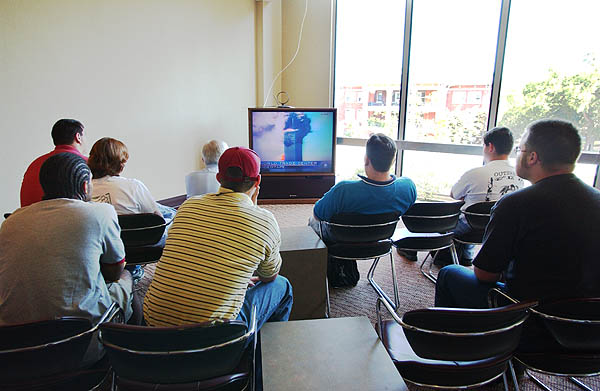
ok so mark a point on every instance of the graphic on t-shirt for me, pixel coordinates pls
(489, 189)
(105, 198)
(508, 189)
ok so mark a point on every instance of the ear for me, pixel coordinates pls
(367, 161)
(491, 148)
(258, 180)
(533, 158)
(79, 138)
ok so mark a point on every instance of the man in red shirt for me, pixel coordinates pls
(67, 135)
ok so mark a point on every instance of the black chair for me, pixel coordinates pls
(353, 236)
(53, 354)
(201, 356)
(566, 338)
(478, 216)
(429, 227)
(453, 348)
(142, 235)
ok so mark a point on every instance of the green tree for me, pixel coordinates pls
(574, 98)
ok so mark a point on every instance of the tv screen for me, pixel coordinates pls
(293, 140)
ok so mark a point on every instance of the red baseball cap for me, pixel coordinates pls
(246, 159)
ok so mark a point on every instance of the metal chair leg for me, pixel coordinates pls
(395, 282)
(454, 255)
(513, 375)
(327, 304)
(429, 274)
(538, 381)
(580, 384)
(376, 286)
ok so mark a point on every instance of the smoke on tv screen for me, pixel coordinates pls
(293, 142)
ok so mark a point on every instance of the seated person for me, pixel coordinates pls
(62, 256)
(540, 239)
(216, 244)
(376, 193)
(487, 183)
(67, 135)
(205, 180)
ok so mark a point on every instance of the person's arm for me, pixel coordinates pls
(327, 206)
(461, 188)
(112, 271)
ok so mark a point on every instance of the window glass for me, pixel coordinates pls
(350, 161)
(368, 58)
(558, 76)
(451, 70)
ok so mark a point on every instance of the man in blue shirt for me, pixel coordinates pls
(376, 193)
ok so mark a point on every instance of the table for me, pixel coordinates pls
(304, 263)
(326, 354)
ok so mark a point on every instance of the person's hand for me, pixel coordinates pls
(253, 281)
(255, 195)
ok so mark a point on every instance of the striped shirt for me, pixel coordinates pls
(215, 244)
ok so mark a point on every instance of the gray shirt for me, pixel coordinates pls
(50, 255)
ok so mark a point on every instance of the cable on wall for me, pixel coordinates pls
(293, 57)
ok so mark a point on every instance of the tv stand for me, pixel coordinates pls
(294, 189)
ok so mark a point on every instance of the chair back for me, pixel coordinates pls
(141, 229)
(574, 323)
(424, 217)
(181, 354)
(456, 334)
(361, 228)
(478, 214)
(43, 348)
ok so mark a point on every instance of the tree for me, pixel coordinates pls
(574, 98)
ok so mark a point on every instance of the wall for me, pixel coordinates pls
(162, 76)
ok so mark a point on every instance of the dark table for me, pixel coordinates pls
(326, 354)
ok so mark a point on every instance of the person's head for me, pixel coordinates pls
(65, 175)
(239, 169)
(498, 143)
(381, 152)
(107, 157)
(212, 151)
(548, 147)
(68, 132)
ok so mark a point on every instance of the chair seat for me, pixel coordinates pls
(233, 381)
(575, 364)
(406, 240)
(359, 250)
(474, 237)
(436, 372)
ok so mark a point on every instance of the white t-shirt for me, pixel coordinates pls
(487, 183)
(203, 181)
(128, 196)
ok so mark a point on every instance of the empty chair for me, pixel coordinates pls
(142, 235)
(351, 237)
(574, 326)
(453, 348)
(429, 227)
(57, 354)
(201, 356)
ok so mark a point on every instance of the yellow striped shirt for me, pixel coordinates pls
(215, 244)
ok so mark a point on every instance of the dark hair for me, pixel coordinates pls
(64, 131)
(501, 138)
(556, 142)
(381, 151)
(107, 157)
(242, 186)
(63, 175)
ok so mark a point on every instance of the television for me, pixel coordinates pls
(296, 147)
(294, 141)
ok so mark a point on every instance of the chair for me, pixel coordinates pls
(568, 342)
(142, 235)
(352, 236)
(429, 227)
(201, 356)
(478, 216)
(51, 354)
(453, 348)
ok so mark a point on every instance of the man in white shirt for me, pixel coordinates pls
(488, 183)
(205, 181)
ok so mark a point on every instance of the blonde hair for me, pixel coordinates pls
(212, 151)
(107, 157)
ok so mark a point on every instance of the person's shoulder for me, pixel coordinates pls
(404, 181)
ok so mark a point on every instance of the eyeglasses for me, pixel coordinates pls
(519, 149)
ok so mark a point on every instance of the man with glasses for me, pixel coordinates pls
(540, 239)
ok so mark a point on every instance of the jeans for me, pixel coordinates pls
(273, 301)
(457, 287)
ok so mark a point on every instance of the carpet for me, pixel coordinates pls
(415, 292)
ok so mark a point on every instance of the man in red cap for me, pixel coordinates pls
(222, 255)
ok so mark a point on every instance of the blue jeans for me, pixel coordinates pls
(273, 301)
(466, 251)
(457, 287)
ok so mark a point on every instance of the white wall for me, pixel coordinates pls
(162, 76)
